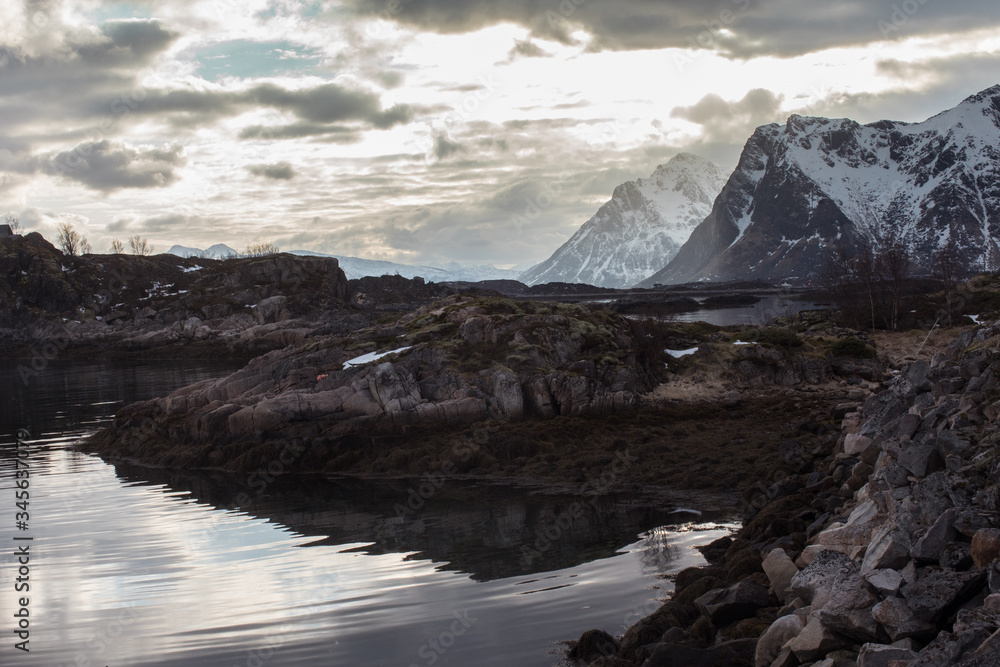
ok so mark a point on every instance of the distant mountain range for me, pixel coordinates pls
(355, 267)
(639, 230)
(813, 183)
(218, 251)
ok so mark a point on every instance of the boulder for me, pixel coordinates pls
(727, 605)
(936, 593)
(898, 621)
(594, 644)
(887, 582)
(889, 548)
(985, 546)
(855, 443)
(880, 655)
(779, 569)
(931, 544)
(921, 460)
(775, 637)
(814, 642)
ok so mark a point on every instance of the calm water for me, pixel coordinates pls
(132, 566)
(767, 308)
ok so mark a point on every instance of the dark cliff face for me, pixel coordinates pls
(816, 183)
(40, 285)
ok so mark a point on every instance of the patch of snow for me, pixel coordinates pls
(740, 342)
(193, 268)
(372, 356)
(677, 354)
(974, 318)
(684, 510)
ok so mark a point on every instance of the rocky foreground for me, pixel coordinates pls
(882, 552)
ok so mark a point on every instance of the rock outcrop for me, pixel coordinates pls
(123, 303)
(459, 361)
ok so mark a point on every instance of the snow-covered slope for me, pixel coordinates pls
(815, 182)
(218, 251)
(639, 230)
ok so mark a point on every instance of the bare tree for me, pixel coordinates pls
(15, 224)
(85, 248)
(69, 239)
(117, 247)
(866, 281)
(139, 246)
(896, 263)
(950, 268)
(260, 250)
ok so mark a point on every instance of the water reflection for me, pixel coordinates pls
(150, 567)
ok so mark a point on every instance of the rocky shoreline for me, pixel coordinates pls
(881, 551)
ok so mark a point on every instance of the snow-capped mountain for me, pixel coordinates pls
(218, 251)
(639, 230)
(801, 188)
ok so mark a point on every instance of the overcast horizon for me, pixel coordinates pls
(429, 131)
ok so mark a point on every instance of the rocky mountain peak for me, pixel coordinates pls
(813, 183)
(646, 221)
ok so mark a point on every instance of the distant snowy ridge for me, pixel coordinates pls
(356, 267)
(218, 251)
(814, 183)
(639, 230)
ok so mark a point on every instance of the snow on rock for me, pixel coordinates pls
(372, 356)
(639, 230)
(813, 183)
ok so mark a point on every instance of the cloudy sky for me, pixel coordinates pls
(428, 131)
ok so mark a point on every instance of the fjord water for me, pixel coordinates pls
(138, 566)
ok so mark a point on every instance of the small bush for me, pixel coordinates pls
(772, 336)
(852, 347)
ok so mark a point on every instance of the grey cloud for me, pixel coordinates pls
(526, 49)
(732, 122)
(736, 28)
(108, 166)
(279, 171)
(443, 147)
(332, 133)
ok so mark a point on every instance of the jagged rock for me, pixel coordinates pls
(814, 582)
(887, 582)
(779, 569)
(937, 592)
(947, 648)
(775, 637)
(921, 459)
(985, 546)
(855, 443)
(880, 655)
(727, 605)
(594, 644)
(899, 621)
(814, 642)
(889, 548)
(931, 544)
(956, 556)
